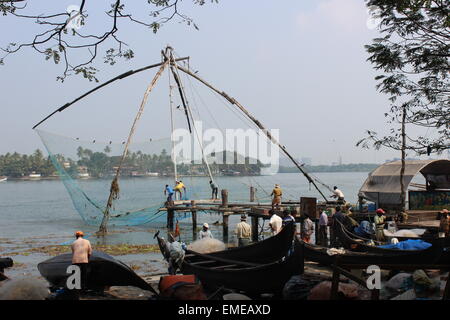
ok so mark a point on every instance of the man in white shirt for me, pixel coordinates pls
(323, 225)
(338, 194)
(205, 233)
(81, 251)
(243, 232)
(275, 222)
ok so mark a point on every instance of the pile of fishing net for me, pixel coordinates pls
(207, 245)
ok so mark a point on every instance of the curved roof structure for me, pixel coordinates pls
(383, 184)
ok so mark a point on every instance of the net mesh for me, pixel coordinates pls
(86, 170)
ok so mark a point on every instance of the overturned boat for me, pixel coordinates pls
(103, 271)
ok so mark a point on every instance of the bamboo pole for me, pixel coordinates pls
(114, 184)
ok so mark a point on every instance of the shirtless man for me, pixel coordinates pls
(81, 251)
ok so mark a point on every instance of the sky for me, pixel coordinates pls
(299, 67)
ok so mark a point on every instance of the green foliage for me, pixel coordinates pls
(413, 56)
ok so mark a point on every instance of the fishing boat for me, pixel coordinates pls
(268, 250)
(253, 278)
(3, 178)
(104, 271)
(265, 263)
(433, 254)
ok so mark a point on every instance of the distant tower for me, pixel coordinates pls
(340, 160)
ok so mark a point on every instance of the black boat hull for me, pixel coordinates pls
(253, 279)
(104, 271)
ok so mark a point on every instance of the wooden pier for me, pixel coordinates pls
(253, 209)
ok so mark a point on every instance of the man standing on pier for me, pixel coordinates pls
(168, 191)
(243, 232)
(179, 186)
(81, 251)
(277, 194)
(339, 195)
(214, 190)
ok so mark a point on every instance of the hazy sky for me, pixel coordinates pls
(299, 66)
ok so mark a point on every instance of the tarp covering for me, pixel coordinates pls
(408, 245)
(383, 184)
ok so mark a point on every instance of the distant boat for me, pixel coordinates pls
(3, 178)
(34, 175)
(83, 175)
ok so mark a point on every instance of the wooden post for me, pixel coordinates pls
(225, 226)
(335, 280)
(224, 193)
(316, 232)
(252, 194)
(254, 228)
(194, 219)
(170, 215)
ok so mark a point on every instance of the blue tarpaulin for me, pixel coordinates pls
(408, 245)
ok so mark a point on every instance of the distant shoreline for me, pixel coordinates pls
(352, 167)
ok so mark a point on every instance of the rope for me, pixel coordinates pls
(114, 190)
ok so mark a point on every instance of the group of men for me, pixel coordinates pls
(177, 190)
(180, 188)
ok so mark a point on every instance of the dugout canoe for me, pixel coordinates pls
(253, 278)
(104, 271)
(430, 255)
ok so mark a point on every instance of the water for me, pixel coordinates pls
(41, 213)
(35, 209)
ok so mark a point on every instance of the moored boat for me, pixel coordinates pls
(103, 270)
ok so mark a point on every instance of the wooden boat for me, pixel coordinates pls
(262, 267)
(254, 278)
(104, 271)
(268, 250)
(354, 243)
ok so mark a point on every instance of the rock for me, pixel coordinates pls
(24, 289)
(322, 291)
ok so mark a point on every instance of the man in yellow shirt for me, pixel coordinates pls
(179, 185)
(276, 193)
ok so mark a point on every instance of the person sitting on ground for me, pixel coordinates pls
(205, 232)
(338, 194)
(243, 232)
(307, 229)
(81, 251)
(275, 222)
(214, 190)
(179, 186)
(380, 220)
(277, 193)
(168, 191)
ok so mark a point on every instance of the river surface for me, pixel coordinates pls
(41, 213)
